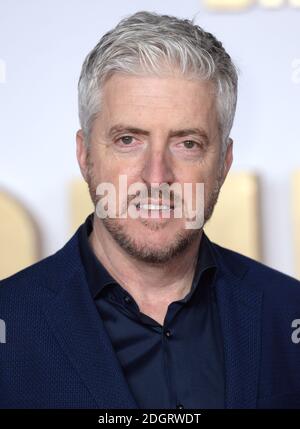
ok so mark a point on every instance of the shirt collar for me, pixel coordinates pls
(98, 277)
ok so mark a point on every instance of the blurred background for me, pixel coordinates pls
(42, 46)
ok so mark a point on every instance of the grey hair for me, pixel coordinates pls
(149, 43)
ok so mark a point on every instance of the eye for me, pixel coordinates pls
(126, 140)
(127, 143)
(190, 144)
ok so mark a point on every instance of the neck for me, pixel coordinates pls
(153, 286)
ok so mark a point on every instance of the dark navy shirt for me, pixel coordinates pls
(177, 365)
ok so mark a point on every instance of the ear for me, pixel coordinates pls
(228, 158)
(82, 153)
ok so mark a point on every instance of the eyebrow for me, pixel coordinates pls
(173, 133)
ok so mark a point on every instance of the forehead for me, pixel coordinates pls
(153, 98)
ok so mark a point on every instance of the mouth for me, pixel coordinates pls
(154, 206)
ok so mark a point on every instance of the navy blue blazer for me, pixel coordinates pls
(58, 355)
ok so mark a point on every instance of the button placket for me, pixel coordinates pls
(167, 333)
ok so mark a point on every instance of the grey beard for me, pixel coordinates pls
(142, 252)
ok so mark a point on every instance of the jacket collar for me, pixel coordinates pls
(239, 300)
(77, 326)
(80, 331)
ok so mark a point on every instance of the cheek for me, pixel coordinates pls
(206, 175)
(104, 169)
(112, 166)
(194, 175)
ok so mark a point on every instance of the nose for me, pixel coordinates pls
(157, 167)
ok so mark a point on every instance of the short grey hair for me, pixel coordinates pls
(149, 43)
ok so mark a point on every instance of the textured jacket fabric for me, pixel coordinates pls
(58, 354)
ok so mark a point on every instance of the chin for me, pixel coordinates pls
(159, 229)
(150, 243)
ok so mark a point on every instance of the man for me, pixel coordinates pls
(139, 309)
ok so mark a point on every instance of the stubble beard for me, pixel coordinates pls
(141, 250)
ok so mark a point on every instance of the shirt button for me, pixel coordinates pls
(168, 333)
(127, 299)
(180, 406)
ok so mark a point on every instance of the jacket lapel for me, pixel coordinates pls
(240, 304)
(75, 322)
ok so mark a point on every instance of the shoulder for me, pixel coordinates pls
(267, 279)
(44, 276)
